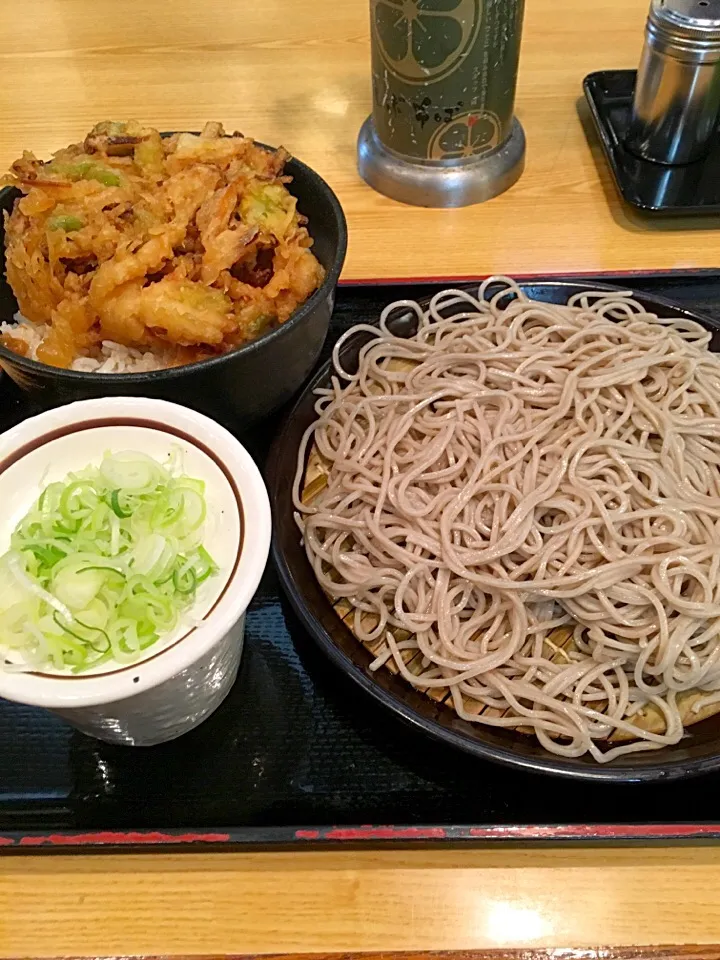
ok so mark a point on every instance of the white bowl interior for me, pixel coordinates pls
(23, 481)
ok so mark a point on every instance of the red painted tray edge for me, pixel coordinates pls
(272, 837)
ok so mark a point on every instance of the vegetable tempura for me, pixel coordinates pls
(185, 246)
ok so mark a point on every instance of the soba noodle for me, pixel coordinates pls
(515, 467)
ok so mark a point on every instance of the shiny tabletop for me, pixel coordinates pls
(297, 72)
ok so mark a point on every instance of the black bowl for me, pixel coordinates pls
(698, 753)
(236, 388)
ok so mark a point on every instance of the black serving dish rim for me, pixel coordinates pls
(293, 166)
(279, 472)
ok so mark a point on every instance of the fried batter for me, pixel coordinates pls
(190, 242)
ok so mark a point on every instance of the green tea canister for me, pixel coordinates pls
(442, 130)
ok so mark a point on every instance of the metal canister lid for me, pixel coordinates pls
(688, 24)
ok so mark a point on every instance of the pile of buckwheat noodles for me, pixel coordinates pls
(515, 467)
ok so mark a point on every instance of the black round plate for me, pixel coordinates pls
(699, 751)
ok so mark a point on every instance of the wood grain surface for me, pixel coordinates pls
(687, 952)
(326, 902)
(297, 72)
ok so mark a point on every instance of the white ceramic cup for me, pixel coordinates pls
(186, 675)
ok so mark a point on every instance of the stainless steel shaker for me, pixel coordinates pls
(677, 96)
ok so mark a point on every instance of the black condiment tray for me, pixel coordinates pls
(690, 189)
(297, 756)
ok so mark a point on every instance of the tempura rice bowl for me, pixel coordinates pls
(237, 388)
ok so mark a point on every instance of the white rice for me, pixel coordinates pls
(114, 357)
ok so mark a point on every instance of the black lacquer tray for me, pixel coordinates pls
(690, 189)
(297, 755)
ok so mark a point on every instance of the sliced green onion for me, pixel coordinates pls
(103, 565)
(115, 504)
(186, 583)
(47, 555)
(207, 566)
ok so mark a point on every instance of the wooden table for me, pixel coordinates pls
(296, 71)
